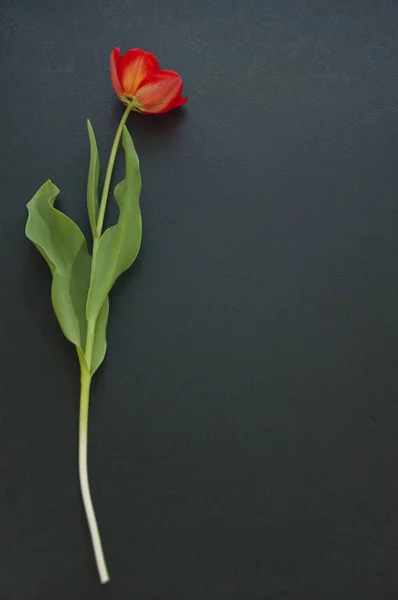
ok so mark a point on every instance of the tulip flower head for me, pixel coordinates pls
(139, 81)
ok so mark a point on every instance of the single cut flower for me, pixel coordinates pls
(139, 82)
(82, 282)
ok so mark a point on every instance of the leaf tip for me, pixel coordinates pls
(49, 183)
(127, 139)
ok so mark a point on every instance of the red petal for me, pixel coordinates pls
(174, 104)
(134, 66)
(160, 92)
(114, 71)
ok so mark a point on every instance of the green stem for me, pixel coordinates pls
(88, 354)
(85, 368)
(108, 174)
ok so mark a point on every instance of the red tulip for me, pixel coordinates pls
(138, 79)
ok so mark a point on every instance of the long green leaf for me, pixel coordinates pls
(120, 244)
(63, 245)
(92, 181)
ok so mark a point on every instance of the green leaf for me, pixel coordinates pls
(119, 245)
(63, 245)
(92, 182)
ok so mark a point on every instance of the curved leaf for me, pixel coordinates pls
(119, 245)
(92, 181)
(63, 245)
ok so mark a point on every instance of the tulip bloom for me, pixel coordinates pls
(139, 82)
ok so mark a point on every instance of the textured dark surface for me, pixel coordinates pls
(244, 427)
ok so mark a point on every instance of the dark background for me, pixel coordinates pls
(244, 427)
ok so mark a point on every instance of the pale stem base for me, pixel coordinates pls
(83, 475)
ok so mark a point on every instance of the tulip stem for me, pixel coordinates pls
(85, 368)
(108, 175)
(83, 474)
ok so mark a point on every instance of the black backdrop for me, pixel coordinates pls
(244, 427)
